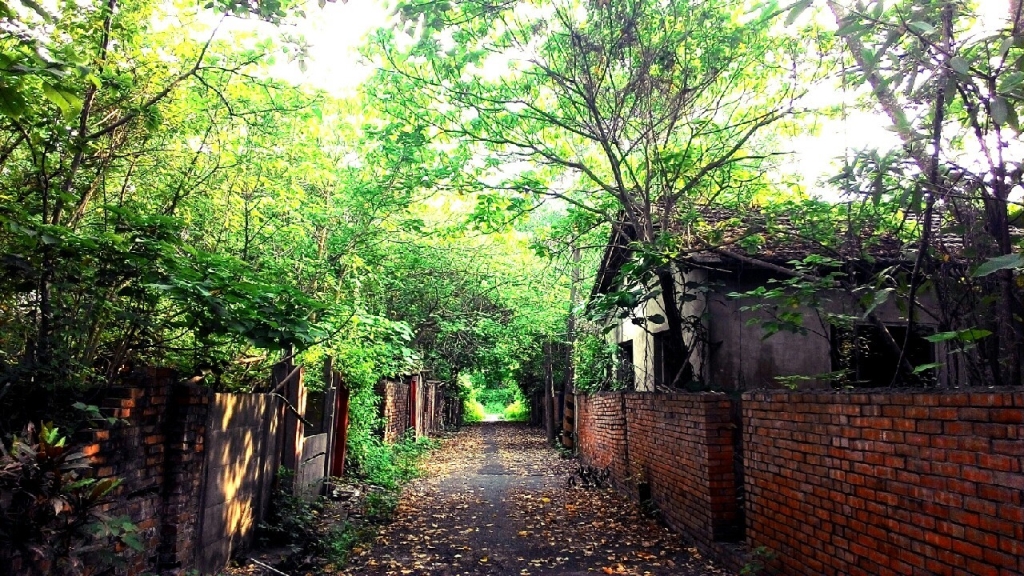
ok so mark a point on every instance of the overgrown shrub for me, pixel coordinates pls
(302, 527)
(517, 411)
(49, 517)
(389, 466)
(473, 411)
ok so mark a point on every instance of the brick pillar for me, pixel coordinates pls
(184, 472)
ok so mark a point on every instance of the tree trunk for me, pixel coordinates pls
(675, 344)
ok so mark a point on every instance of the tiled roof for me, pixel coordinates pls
(773, 238)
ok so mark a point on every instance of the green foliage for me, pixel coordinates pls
(599, 365)
(49, 507)
(381, 504)
(482, 399)
(951, 85)
(517, 411)
(762, 557)
(473, 411)
(292, 520)
(305, 529)
(391, 465)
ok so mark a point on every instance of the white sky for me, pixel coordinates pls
(336, 31)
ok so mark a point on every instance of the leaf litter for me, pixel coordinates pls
(495, 500)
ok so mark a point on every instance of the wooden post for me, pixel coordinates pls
(341, 399)
(328, 422)
(278, 373)
(569, 406)
(549, 395)
(413, 405)
(295, 394)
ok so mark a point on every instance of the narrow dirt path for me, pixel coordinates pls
(494, 500)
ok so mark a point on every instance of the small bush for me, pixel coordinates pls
(305, 528)
(473, 411)
(516, 412)
(381, 505)
(49, 508)
(388, 466)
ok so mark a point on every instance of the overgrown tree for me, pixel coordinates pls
(636, 114)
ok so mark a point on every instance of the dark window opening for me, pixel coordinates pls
(667, 366)
(624, 373)
(869, 362)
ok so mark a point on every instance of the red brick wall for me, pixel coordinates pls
(681, 446)
(677, 447)
(183, 480)
(394, 409)
(601, 433)
(886, 483)
(156, 451)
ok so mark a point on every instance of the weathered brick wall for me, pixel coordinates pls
(886, 483)
(395, 409)
(681, 449)
(183, 480)
(153, 450)
(196, 469)
(601, 433)
(675, 449)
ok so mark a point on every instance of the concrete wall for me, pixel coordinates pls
(743, 359)
(241, 460)
(738, 357)
(641, 337)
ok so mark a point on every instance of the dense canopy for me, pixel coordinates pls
(166, 198)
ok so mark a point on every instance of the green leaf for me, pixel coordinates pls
(960, 66)
(133, 542)
(973, 334)
(656, 319)
(55, 96)
(926, 367)
(851, 27)
(1000, 110)
(879, 298)
(797, 9)
(1011, 82)
(1005, 45)
(921, 27)
(968, 335)
(998, 263)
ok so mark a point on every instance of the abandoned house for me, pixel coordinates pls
(736, 343)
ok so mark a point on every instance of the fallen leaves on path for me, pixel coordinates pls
(495, 501)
